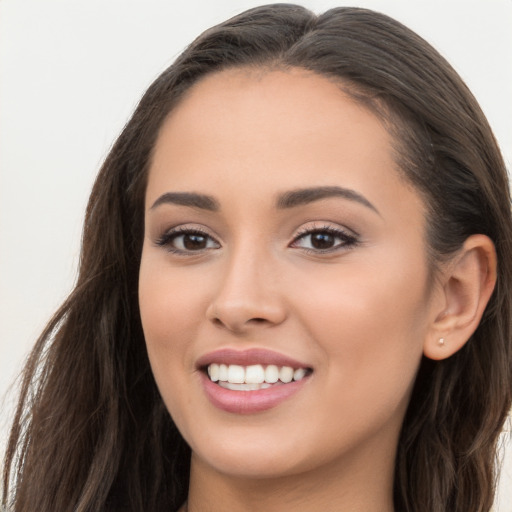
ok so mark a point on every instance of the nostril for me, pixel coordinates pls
(235, 326)
(218, 321)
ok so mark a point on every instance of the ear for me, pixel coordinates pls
(467, 283)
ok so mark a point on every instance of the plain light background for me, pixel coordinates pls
(71, 73)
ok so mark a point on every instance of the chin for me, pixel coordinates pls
(252, 465)
(251, 453)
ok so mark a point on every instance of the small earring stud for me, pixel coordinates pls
(441, 342)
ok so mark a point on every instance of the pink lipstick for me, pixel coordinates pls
(250, 381)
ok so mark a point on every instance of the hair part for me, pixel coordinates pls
(91, 431)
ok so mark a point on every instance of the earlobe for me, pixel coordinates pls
(468, 281)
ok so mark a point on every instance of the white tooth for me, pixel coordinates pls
(254, 374)
(223, 372)
(286, 374)
(299, 374)
(271, 374)
(236, 374)
(213, 372)
(244, 387)
(234, 387)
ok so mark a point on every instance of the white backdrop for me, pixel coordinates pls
(71, 72)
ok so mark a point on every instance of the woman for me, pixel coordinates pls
(292, 290)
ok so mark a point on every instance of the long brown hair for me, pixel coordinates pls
(91, 432)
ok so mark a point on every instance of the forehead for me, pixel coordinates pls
(301, 102)
(276, 111)
(268, 131)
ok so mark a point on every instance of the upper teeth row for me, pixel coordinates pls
(254, 374)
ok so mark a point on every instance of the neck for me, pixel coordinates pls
(350, 486)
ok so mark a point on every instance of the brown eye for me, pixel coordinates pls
(194, 242)
(191, 242)
(185, 241)
(324, 240)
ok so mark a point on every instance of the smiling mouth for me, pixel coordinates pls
(254, 377)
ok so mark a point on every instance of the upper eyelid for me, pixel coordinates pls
(305, 229)
(349, 238)
(164, 237)
(324, 226)
(189, 228)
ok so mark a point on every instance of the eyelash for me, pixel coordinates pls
(347, 240)
(167, 239)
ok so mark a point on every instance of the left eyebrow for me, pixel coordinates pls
(302, 196)
(190, 199)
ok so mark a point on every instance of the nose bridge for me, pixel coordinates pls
(246, 293)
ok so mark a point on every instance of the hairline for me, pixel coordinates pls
(390, 119)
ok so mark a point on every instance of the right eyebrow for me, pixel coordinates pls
(302, 196)
(190, 199)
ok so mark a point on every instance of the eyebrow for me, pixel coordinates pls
(190, 199)
(291, 199)
(302, 196)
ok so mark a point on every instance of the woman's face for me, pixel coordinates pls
(281, 243)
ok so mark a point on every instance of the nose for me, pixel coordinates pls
(248, 295)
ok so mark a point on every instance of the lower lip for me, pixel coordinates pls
(249, 402)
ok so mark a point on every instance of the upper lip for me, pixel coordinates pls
(248, 357)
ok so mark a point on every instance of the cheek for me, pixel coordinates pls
(171, 309)
(370, 325)
(170, 302)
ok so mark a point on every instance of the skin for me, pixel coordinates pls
(360, 315)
